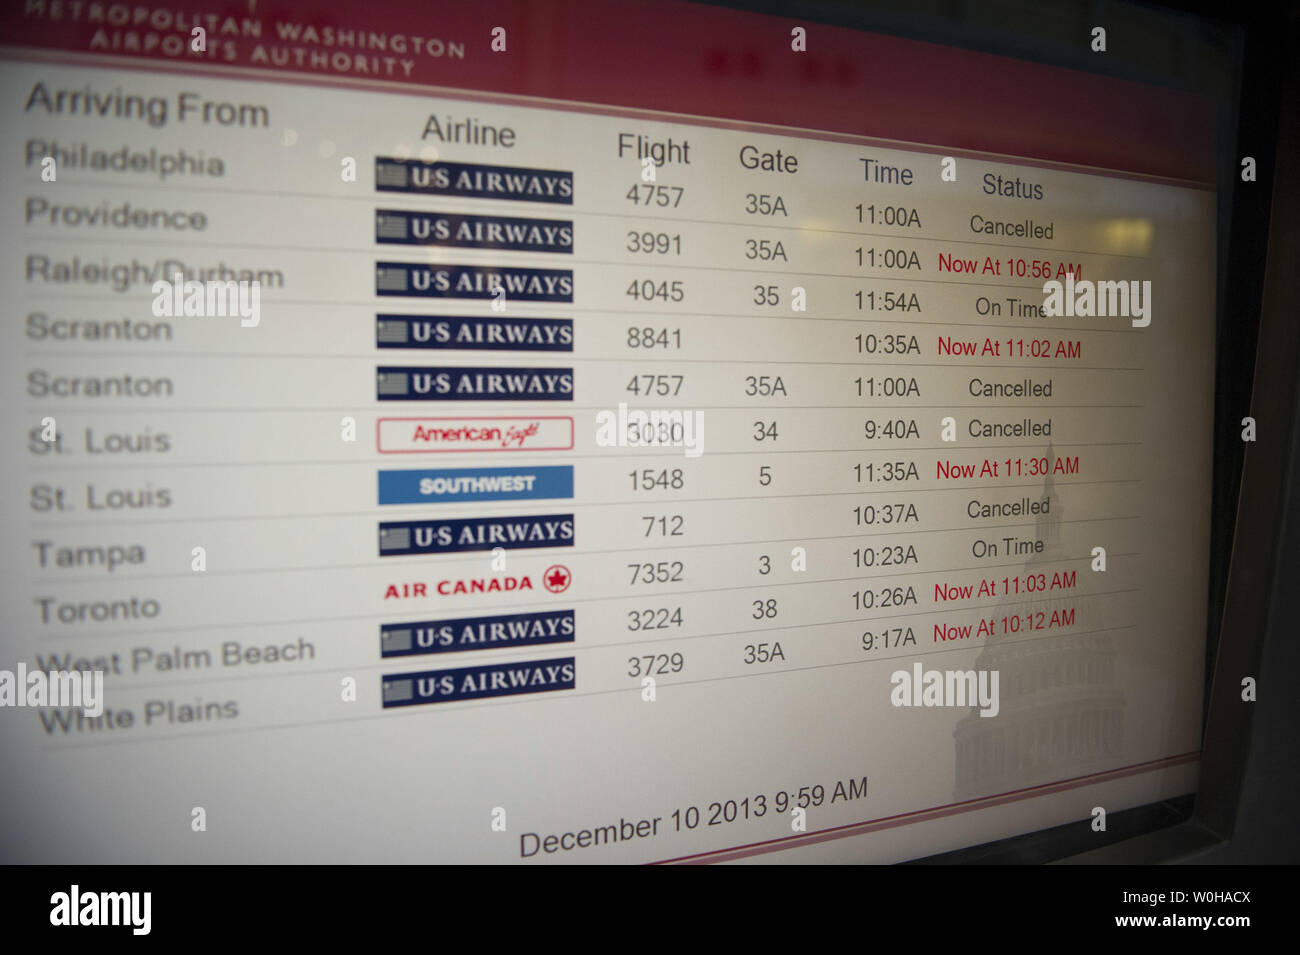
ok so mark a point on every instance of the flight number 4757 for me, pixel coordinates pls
(646, 194)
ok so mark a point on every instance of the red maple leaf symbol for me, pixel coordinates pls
(557, 579)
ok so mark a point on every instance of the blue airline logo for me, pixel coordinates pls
(435, 485)
(457, 535)
(459, 231)
(476, 633)
(473, 333)
(474, 683)
(473, 281)
(415, 383)
(473, 180)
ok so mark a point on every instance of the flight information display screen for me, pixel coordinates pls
(589, 432)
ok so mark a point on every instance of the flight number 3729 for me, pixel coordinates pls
(655, 664)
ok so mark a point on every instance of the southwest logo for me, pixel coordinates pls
(475, 484)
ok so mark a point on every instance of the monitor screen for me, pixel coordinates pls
(591, 432)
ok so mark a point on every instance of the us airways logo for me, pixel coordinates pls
(400, 227)
(474, 334)
(407, 383)
(473, 281)
(472, 683)
(476, 633)
(398, 538)
(473, 180)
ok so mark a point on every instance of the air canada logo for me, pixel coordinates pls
(475, 181)
(483, 585)
(452, 230)
(410, 590)
(557, 578)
